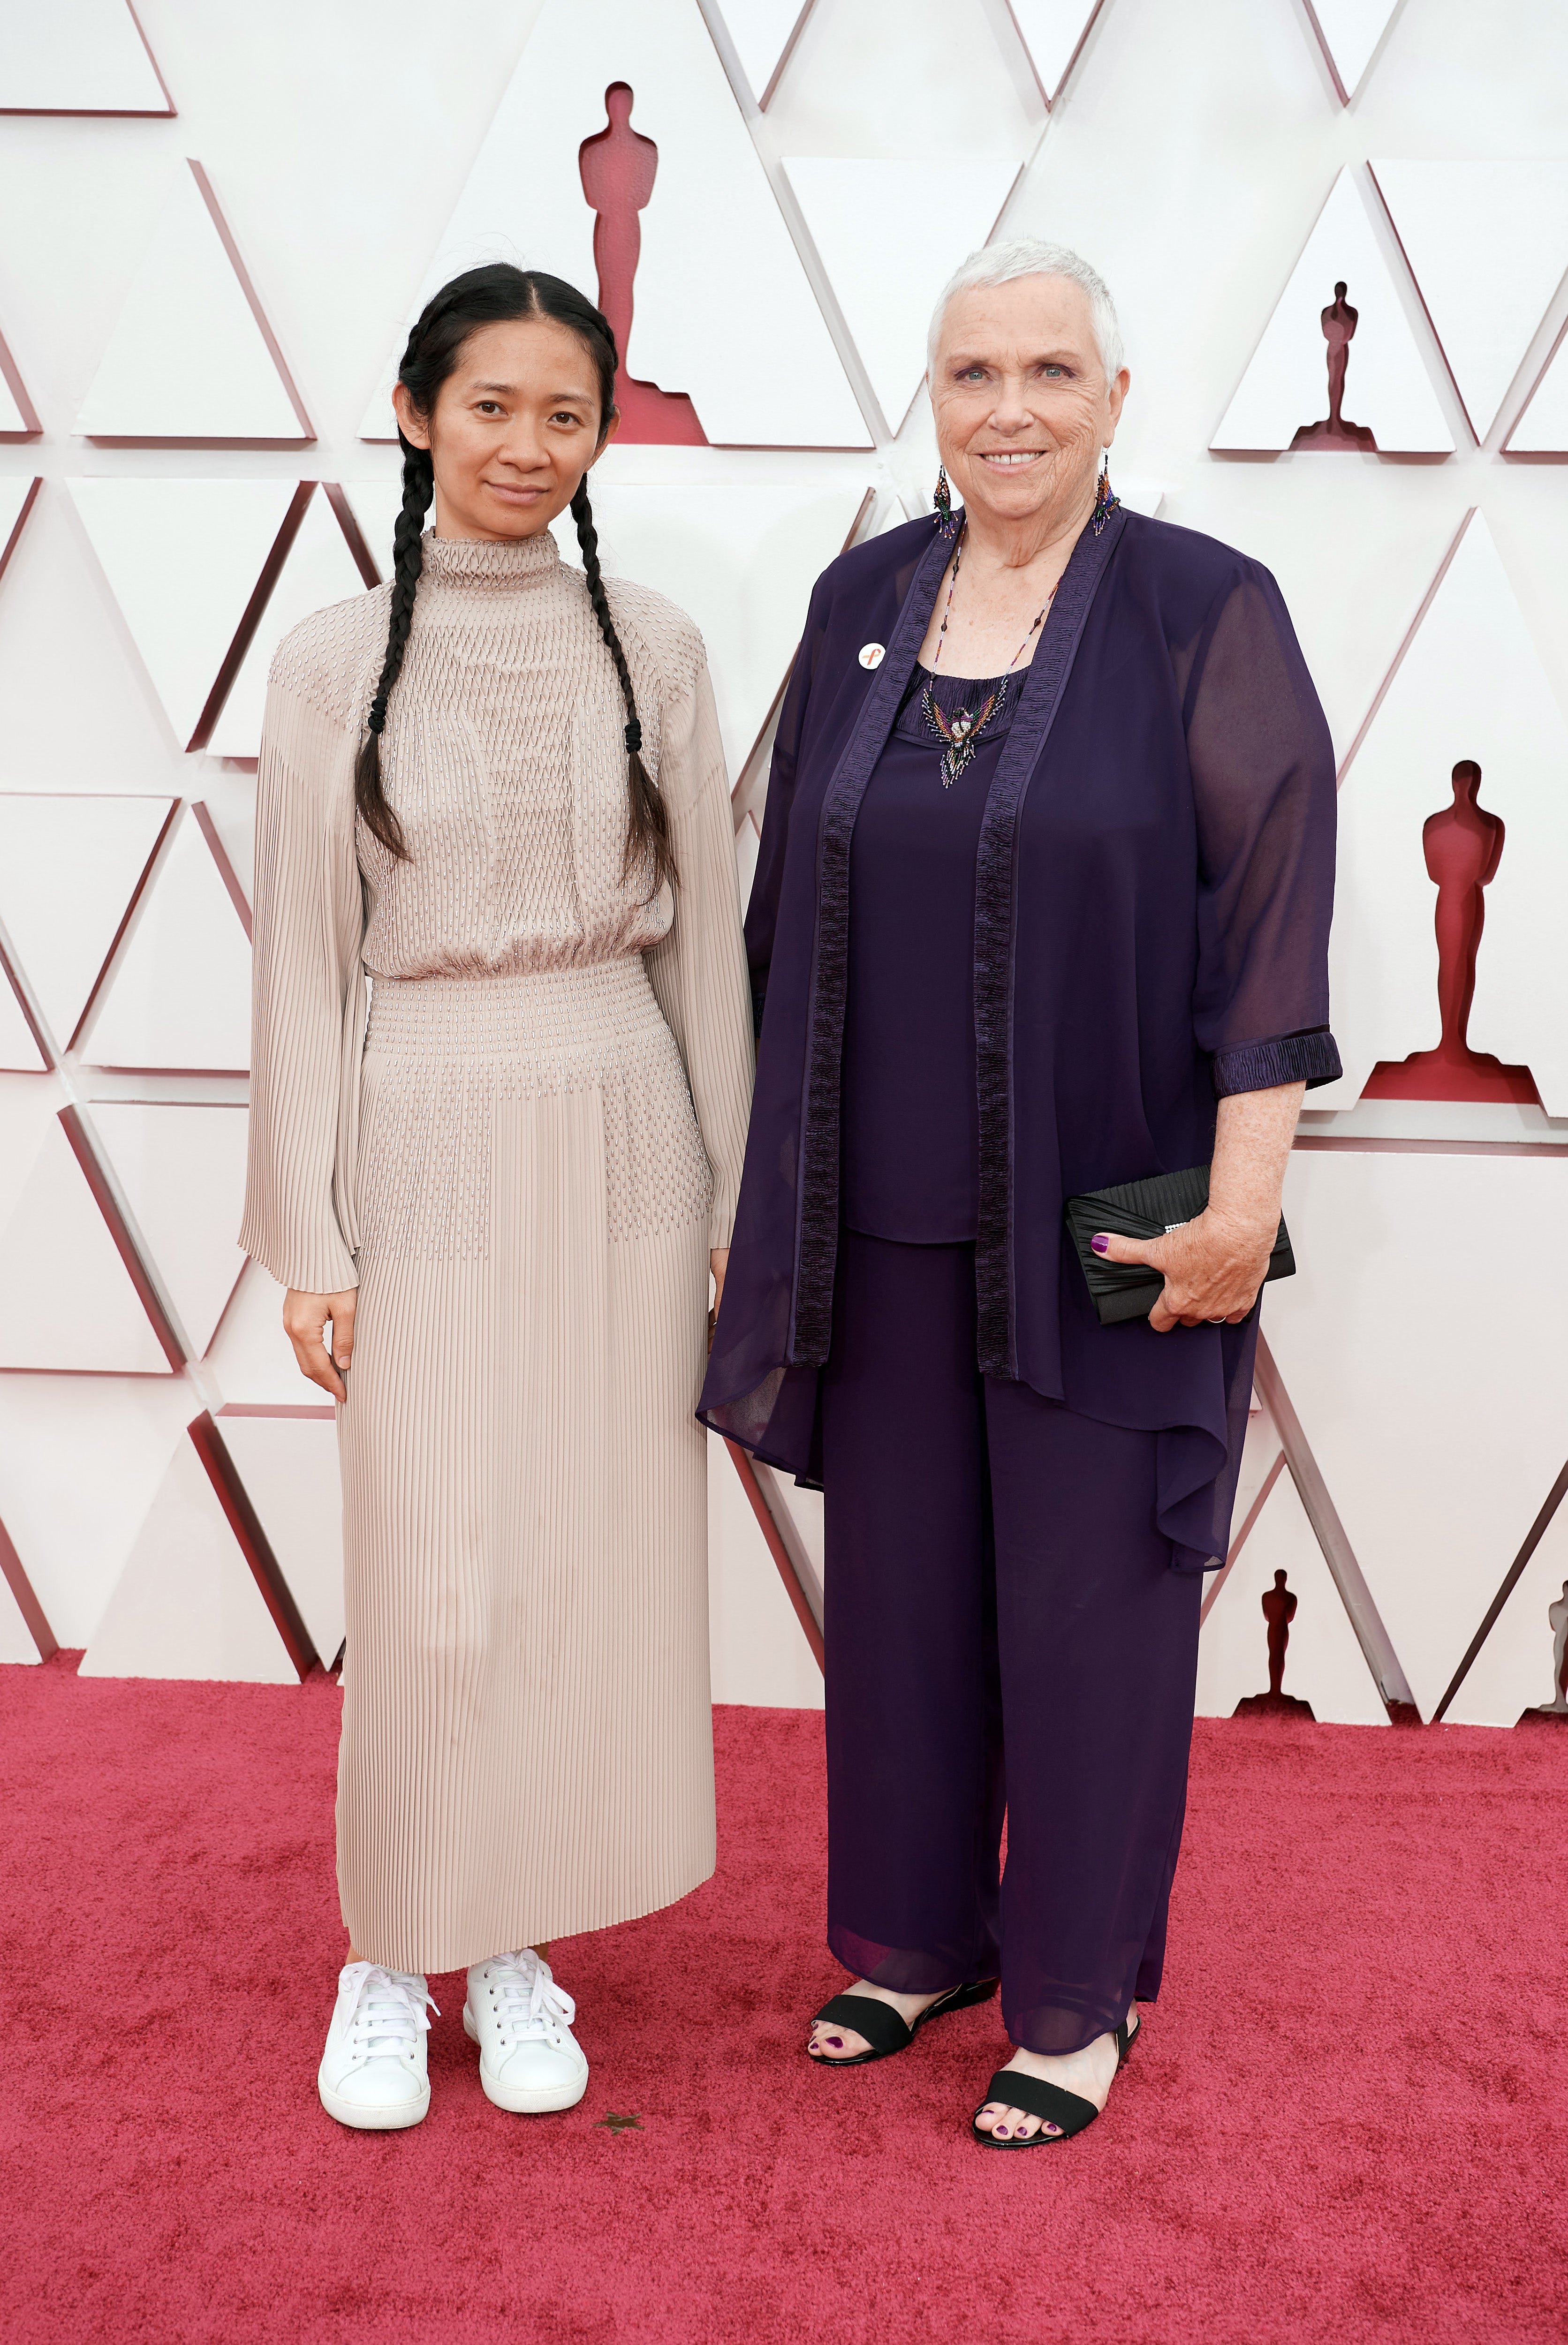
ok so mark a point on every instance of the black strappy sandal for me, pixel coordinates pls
(1016, 2090)
(882, 2028)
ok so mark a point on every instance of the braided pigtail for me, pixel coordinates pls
(647, 825)
(408, 560)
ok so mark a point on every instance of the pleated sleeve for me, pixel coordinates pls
(698, 968)
(307, 1002)
(1263, 783)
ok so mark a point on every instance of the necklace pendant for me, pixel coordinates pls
(961, 724)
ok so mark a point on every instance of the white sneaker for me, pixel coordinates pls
(373, 2072)
(520, 2020)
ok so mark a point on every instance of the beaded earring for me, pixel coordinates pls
(941, 498)
(1105, 498)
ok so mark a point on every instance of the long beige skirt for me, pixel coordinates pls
(527, 1737)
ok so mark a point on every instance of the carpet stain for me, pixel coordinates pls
(1346, 2119)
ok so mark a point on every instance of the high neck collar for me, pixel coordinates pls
(496, 564)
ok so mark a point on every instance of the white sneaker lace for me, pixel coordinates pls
(533, 2008)
(385, 2013)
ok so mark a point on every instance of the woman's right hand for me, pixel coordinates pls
(305, 1318)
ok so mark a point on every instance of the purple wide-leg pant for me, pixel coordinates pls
(1003, 1632)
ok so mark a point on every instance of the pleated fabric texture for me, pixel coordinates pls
(522, 1164)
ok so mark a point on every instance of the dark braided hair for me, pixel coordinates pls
(487, 297)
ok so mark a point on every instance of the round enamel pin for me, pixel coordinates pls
(872, 655)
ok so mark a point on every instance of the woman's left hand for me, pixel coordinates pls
(1214, 1264)
(1213, 1267)
(718, 1263)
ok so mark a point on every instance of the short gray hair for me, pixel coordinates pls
(1031, 256)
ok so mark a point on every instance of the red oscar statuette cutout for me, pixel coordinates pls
(618, 167)
(1279, 1603)
(1463, 847)
(1340, 322)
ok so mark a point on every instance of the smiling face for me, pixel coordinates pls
(515, 426)
(1022, 404)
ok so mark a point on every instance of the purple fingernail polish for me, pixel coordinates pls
(1100, 1246)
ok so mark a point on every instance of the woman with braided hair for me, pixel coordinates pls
(496, 789)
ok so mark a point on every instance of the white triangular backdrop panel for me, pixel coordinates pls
(318, 569)
(857, 211)
(748, 842)
(754, 354)
(375, 502)
(80, 1463)
(1053, 31)
(1516, 1669)
(1286, 384)
(187, 1604)
(66, 1299)
(1324, 1663)
(758, 1654)
(179, 996)
(1428, 1376)
(15, 1637)
(1542, 427)
(288, 1465)
(741, 558)
(1349, 30)
(181, 1172)
(70, 868)
(78, 57)
(184, 559)
(1486, 244)
(17, 498)
(191, 358)
(17, 423)
(1472, 685)
(19, 1051)
(250, 1360)
(762, 32)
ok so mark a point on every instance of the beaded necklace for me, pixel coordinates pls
(960, 732)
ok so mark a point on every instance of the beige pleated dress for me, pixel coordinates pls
(522, 1163)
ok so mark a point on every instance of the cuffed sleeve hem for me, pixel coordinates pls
(726, 1200)
(1312, 1058)
(328, 1271)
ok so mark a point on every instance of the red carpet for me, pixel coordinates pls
(1347, 2119)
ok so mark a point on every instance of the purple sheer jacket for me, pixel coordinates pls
(1153, 886)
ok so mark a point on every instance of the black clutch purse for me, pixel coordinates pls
(1144, 1209)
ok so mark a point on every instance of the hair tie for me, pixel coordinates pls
(376, 721)
(634, 737)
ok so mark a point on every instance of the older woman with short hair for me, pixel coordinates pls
(1041, 907)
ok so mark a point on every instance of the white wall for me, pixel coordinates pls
(1189, 154)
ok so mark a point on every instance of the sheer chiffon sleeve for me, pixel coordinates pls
(1263, 782)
